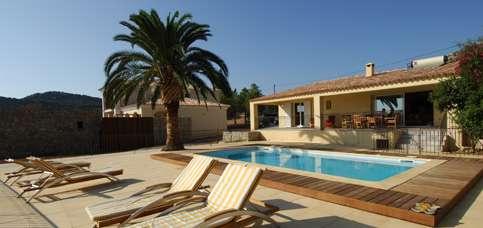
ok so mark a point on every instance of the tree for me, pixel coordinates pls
(162, 65)
(462, 94)
(246, 94)
(234, 101)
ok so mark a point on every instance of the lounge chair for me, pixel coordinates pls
(28, 168)
(56, 177)
(152, 199)
(226, 205)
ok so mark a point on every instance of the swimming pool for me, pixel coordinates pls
(355, 166)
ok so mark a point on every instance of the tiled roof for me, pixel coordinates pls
(357, 82)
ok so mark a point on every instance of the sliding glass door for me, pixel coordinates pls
(418, 109)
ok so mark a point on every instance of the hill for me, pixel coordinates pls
(52, 98)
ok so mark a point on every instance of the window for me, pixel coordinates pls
(389, 104)
(80, 125)
(328, 105)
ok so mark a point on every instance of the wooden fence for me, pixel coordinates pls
(120, 134)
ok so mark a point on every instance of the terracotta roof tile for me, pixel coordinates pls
(356, 82)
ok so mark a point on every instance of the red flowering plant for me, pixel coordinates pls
(462, 94)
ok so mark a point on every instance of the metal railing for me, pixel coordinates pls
(420, 141)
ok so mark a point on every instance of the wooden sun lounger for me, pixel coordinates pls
(28, 168)
(219, 208)
(152, 199)
(56, 177)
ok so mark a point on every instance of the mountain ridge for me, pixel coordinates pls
(52, 98)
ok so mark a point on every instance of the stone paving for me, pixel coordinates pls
(64, 206)
(14, 212)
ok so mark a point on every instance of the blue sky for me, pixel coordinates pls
(61, 45)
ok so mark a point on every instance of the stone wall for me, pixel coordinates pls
(41, 129)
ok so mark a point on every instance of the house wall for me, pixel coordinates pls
(205, 121)
(361, 138)
(195, 121)
(285, 115)
(348, 103)
(343, 104)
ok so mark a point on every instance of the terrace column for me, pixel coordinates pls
(253, 116)
(317, 113)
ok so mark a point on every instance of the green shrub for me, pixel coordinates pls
(463, 93)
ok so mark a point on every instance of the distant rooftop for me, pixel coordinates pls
(194, 102)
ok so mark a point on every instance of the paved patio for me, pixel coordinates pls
(64, 206)
(15, 213)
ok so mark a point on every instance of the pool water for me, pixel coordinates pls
(361, 167)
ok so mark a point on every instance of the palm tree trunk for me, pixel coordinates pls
(173, 139)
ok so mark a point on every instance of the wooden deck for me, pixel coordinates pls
(444, 185)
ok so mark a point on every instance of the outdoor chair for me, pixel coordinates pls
(227, 205)
(357, 119)
(29, 168)
(152, 199)
(371, 122)
(346, 121)
(391, 122)
(54, 177)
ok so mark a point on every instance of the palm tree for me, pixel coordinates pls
(162, 65)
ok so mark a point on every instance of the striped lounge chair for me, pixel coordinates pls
(225, 205)
(55, 177)
(152, 199)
